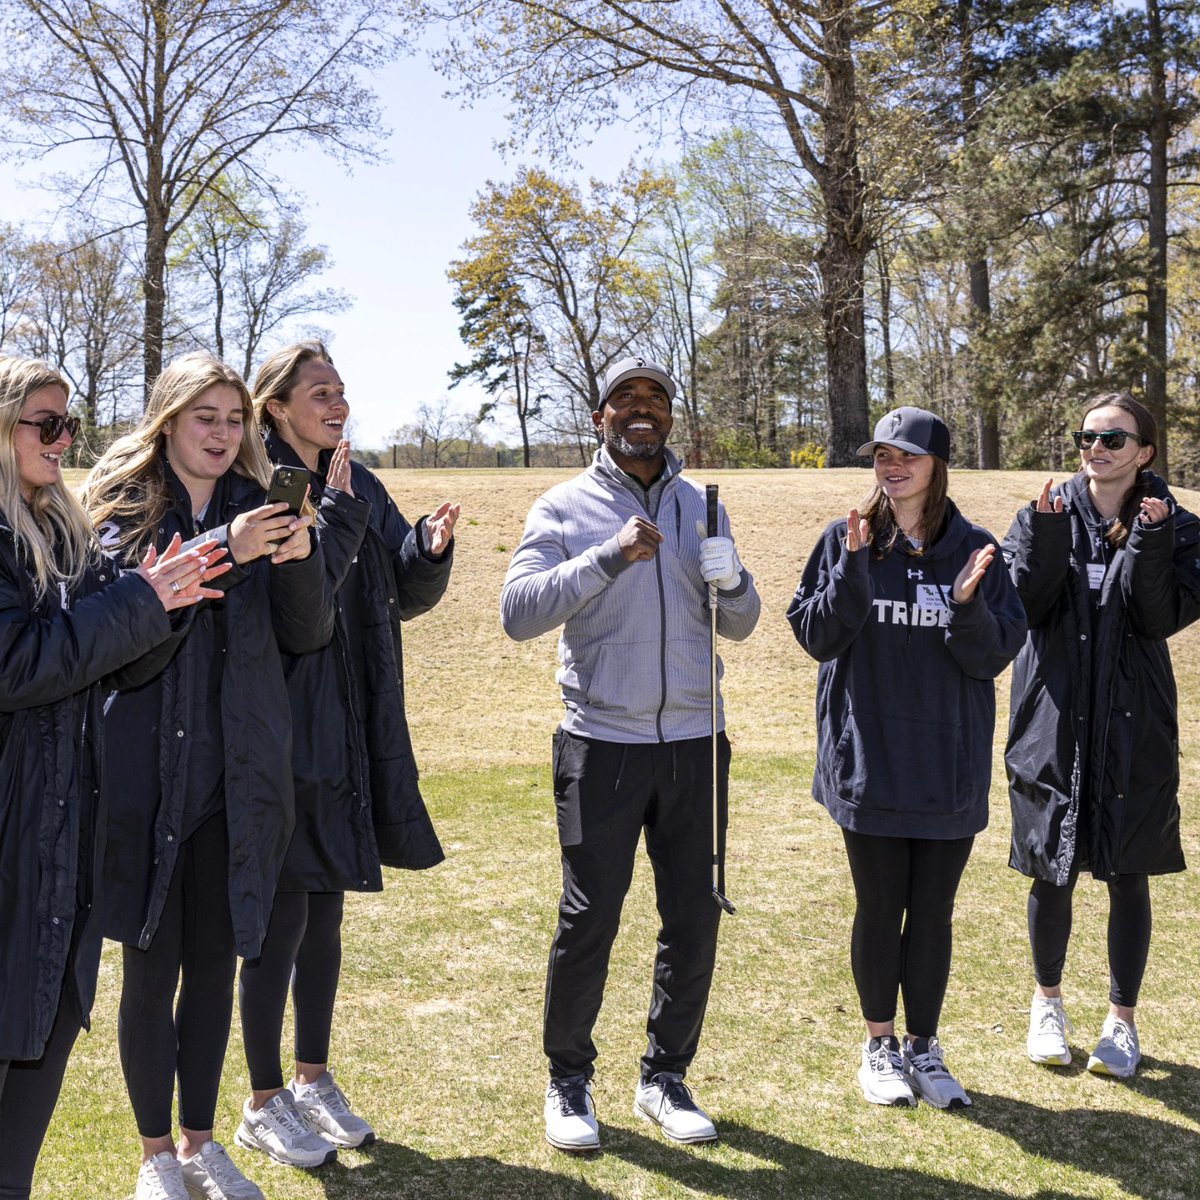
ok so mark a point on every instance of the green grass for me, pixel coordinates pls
(438, 1037)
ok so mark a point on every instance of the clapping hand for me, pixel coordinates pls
(1044, 504)
(178, 578)
(858, 531)
(968, 578)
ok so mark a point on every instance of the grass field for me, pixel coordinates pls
(438, 1032)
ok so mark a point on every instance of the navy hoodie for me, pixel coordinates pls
(906, 704)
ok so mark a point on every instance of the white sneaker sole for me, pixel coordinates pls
(248, 1142)
(872, 1097)
(1098, 1066)
(347, 1142)
(698, 1139)
(1051, 1060)
(574, 1147)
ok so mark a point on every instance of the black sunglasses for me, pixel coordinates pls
(53, 426)
(1110, 439)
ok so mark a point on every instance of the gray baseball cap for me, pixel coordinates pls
(911, 429)
(635, 367)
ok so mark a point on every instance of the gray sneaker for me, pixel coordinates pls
(210, 1174)
(161, 1179)
(326, 1111)
(279, 1131)
(927, 1075)
(1117, 1052)
(1048, 1026)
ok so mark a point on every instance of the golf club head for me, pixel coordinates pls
(724, 902)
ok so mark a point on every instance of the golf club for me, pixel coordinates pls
(710, 493)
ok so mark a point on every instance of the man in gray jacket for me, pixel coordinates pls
(619, 558)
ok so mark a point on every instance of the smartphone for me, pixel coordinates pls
(288, 486)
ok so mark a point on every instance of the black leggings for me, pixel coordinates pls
(902, 939)
(28, 1094)
(195, 936)
(304, 947)
(1129, 924)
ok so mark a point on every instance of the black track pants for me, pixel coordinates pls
(903, 934)
(1129, 926)
(606, 794)
(158, 1037)
(28, 1094)
(303, 948)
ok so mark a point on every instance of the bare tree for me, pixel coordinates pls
(171, 95)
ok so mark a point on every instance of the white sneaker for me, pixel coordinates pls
(326, 1111)
(666, 1101)
(210, 1174)
(1118, 1051)
(1048, 1025)
(927, 1074)
(161, 1179)
(570, 1115)
(882, 1073)
(279, 1131)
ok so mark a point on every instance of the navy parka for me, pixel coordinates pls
(906, 704)
(1093, 740)
(56, 657)
(358, 802)
(267, 610)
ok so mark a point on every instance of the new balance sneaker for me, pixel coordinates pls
(325, 1109)
(1048, 1025)
(925, 1070)
(882, 1073)
(571, 1115)
(161, 1179)
(279, 1131)
(210, 1174)
(1117, 1052)
(666, 1101)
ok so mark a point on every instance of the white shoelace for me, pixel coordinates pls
(1122, 1037)
(285, 1115)
(886, 1062)
(331, 1098)
(160, 1182)
(1054, 1019)
(220, 1166)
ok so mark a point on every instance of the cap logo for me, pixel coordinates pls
(897, 421)
(641, 362)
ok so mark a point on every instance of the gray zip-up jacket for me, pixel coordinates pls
(634, 649)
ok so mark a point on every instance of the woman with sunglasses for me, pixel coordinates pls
(1106, 565)
(70, 624)
(203, 810)
(358, 803)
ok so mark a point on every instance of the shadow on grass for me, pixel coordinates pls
(787, 1169)
(1147, 1156)
(1178, 1088)
(791, 1170)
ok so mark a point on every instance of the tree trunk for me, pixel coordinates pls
(1156, 232)
(885, 327)
(842, 256)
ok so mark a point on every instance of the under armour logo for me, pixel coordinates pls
(915, 574)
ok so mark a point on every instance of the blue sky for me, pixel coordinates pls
(391, 230)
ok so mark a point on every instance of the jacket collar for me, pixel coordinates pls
(603, 464)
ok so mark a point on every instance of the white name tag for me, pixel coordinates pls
(933, 597)
(1096, 575)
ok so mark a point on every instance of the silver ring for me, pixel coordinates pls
(174, 587)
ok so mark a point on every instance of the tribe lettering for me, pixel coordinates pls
(931, 608)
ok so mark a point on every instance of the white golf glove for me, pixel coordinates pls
(719, 562)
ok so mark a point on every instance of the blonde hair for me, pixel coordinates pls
(277, 376)
(52, 532)
(128, 487)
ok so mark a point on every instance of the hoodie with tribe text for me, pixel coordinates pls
(906, 705)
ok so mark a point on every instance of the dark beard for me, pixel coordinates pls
(617, 443)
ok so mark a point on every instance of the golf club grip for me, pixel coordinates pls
(710, 495)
